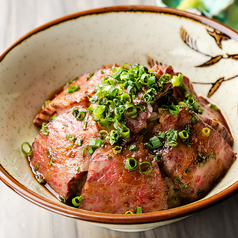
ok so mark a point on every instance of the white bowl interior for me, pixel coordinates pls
(46, 60)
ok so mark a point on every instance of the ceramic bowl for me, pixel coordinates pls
(47, 57)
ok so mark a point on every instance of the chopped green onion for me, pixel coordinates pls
(85, 123)
(64, 124)
(129, 213)
(102, 72)
(85, 148)
(206, 131)
(95, 142)
(177, 80)
(172, 136)
(90, 150)
(114, 136)
(189, 129)
(125, 132)
(158, 157)
(138, 210)
(50, 163)
(212, 106)
(72, 80)
(53, 117)
(79, 142)
(90, 76)
(77, 201)
(109, 156)
(44, 129)
(47, 102)
(40, 180)
(70, 137)
(117, 150)
(181, 183)
(102, 132)
(161, 134)
(25, 152)
(37, 165)
(134, 147)
(195, 119)
(200, 155)
(62, 199)
(155, 142)
(145, 163)
(48, 153)
(81, 115)
(183, 134)
(77, 168)
(131, 164)
(72, 89)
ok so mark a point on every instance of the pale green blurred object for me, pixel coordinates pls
(224, 11)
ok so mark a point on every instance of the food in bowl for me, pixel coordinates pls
(128, 139)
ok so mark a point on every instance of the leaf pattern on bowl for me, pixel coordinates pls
(218, 36)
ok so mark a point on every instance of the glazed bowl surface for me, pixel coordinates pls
(47, 57)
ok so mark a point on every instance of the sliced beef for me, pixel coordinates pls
(65, 100)
(58, 153)
(214, 118)
(196, 167)
(111, 188)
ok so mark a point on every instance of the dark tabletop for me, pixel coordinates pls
(22, 219)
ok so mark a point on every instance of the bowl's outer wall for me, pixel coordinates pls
(49, 56)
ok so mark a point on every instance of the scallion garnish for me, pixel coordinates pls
(37, 165)
(117, 150)
(183, 134)
(129, 213)
(30, 150)
(138, 210)
(172, 136)
(90, 76)
(212, 106)
(72, 80)
(77, 201)
(79, 142)
(154, 143)
(44, 129)
(72, 89)
(143, 167)
(131, 164)
(53, 117)
(200, 155)
(177, 80)
(95, 142)
(161, 134)
(71, 138)
(206, 131)
(181, 183)
(158, 157)
(134, 147)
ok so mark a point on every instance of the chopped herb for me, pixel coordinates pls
(47, 102)
(90, 150)
(117, 150)
(195, 118)
(102, 72)
(77, 168)
(147, 167)
(181, 183)
(200, 191)
(85, 123)
(95, 142)
(50, 163)
(187, 171)
(30, 150)
(64, 124)
(161, 134)
(177, 80)
(48, 153)
(90, 76)
(206, 131)
(131, 164)
(62, 199)
(37, 165)
(183, 135)
(53, 117)
(40, 180)
(109, 156)
(77, 201)
(158, 157)
(79, 142)
(71, 138)
(172, 136)
(72, 89)
(138, 210)
(212, 106)
(72, 80)
(44, 129)
(134, 147)
(129, 213)
(200, 155)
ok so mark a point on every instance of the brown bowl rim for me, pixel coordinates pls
(165, 215)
